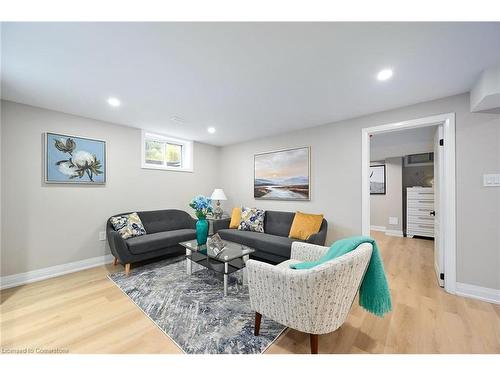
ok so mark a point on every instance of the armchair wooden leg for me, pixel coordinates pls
(314, 343)
(258, 318)
(127, 268)
(115, 261)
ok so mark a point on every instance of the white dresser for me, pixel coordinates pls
(420, 211)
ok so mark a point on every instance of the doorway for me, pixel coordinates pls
(444, 185)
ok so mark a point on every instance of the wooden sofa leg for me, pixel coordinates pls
(258, 318)
(314, 343)
(127, 268)
(115, 261)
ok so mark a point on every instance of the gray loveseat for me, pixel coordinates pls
(164, 230)
(272, 246)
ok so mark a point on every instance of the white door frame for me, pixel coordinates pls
(448, 205)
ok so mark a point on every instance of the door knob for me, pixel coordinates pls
(432, 213)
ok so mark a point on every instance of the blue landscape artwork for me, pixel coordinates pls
(72, 159)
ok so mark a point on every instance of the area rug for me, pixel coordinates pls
(192, 309)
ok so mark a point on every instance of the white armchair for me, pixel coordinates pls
(314, 301)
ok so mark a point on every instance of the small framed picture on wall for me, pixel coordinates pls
(377, 179)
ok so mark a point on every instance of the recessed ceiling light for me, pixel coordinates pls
(384, 74)
(114, 102)
(211, 130)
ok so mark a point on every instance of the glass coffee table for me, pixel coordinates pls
(232, 258)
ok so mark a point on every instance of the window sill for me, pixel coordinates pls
(163, 168)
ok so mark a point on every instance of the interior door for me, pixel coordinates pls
(438, 198)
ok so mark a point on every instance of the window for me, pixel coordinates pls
(162, 152)
(174, 155)
(154, 152)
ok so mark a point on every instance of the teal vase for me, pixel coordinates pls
(201, 231)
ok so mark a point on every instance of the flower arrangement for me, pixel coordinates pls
(202, 206)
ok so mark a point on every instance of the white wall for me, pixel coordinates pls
(403, 142)
(1, 192)
(336, 179)
(390, 204)
(485, 95)
(46, 225)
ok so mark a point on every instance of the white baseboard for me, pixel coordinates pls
(395, 233)
(388, 232)
(478, 292)
(49, 272)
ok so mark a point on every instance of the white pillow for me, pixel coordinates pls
(252, 219)
(128, 225)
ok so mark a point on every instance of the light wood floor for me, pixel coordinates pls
(86, 313)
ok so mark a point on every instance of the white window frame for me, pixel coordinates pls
(187, 152)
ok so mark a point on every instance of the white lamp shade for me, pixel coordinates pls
(218, 195)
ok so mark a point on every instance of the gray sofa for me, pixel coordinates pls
(164, 230)
(272, 246)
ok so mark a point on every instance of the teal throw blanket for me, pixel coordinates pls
(374, 293)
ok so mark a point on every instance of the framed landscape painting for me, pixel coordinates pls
(283, 175)
(74, 160)
(377, 179)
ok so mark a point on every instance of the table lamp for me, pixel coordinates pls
(218, 195)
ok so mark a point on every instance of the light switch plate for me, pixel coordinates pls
(491, 180)
(102, 236)
(393, 220)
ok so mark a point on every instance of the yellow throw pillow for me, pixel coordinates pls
(304, 225)
(235, 218)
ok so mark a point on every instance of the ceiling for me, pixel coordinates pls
(402, 142)
(248, 80)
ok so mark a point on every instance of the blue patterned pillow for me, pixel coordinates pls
(128, 225)
(252, 219)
